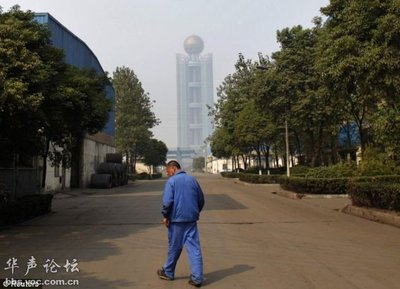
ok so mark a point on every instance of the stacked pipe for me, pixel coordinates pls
(111, 173)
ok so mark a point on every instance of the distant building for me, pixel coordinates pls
(195, 93)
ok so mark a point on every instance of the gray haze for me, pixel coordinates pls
(145, 35)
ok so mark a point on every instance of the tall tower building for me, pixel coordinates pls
(195, 93)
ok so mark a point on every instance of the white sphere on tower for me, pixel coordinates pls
(193, 44)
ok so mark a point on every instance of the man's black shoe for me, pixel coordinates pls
(161, 274)
(191, 282)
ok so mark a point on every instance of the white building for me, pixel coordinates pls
(195, 93)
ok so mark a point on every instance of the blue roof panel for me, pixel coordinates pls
(77, 53)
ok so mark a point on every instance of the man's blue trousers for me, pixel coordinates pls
(184, 235)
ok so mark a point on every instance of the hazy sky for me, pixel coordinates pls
(145, 35)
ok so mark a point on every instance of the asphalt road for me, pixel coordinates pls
(251, 238)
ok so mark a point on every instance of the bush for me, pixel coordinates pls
(334, 171)
(143, 176)
(299, 170)
(272, 171)
(314, 185)
(156, 176)
(253, 170)
(146, 176)
(376, 195)
(232, 175)
(25, 208)
(277, 171)
(259, 179)
(376, 163)
(377, 179)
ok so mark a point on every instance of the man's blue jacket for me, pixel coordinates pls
(183, 198)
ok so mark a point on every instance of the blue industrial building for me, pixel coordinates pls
(76, 53)
(94, 148)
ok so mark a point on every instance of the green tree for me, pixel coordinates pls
(198, 164)
(79, 106)
(385, 78)
(29, 72)
(255, 130)
(155, 154)
(44, 101)
(221, 143)
(299, 96)
(386, 128)
(134, 117)
(359, 56)
(233, 94)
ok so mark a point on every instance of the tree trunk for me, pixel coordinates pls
(63, 173)
(237, 162)
(76, 163)
(276, 156)
(44, 173)
(14, 177)
(316, 159)
(298, 145)
(134, 160)
(259, 158)
(245, 159)
(266, 155)
(291, 155)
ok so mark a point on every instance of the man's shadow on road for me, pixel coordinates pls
(223, 273)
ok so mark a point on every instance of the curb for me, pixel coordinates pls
(297, 196)
(380, 216)
(376, 215)
(290, 195)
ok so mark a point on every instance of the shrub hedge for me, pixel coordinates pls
(378, 179)
(156, 176)
(143, 176)
(340, 170)
(27, 207)
(271, 171)
(231, 175)
(376, 195)
(299, 170)
(382, 192)
(146, 176)
(318, 186)
(259, 179)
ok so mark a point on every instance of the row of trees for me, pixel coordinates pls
(43, 100)
(134, 120)
(340, 77)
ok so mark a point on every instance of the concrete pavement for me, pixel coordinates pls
(251, 238)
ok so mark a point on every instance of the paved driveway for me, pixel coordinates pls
(251, 239)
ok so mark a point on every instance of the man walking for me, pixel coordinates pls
(183, 201)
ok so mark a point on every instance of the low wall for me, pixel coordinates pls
(95, 148)
(28, 180)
